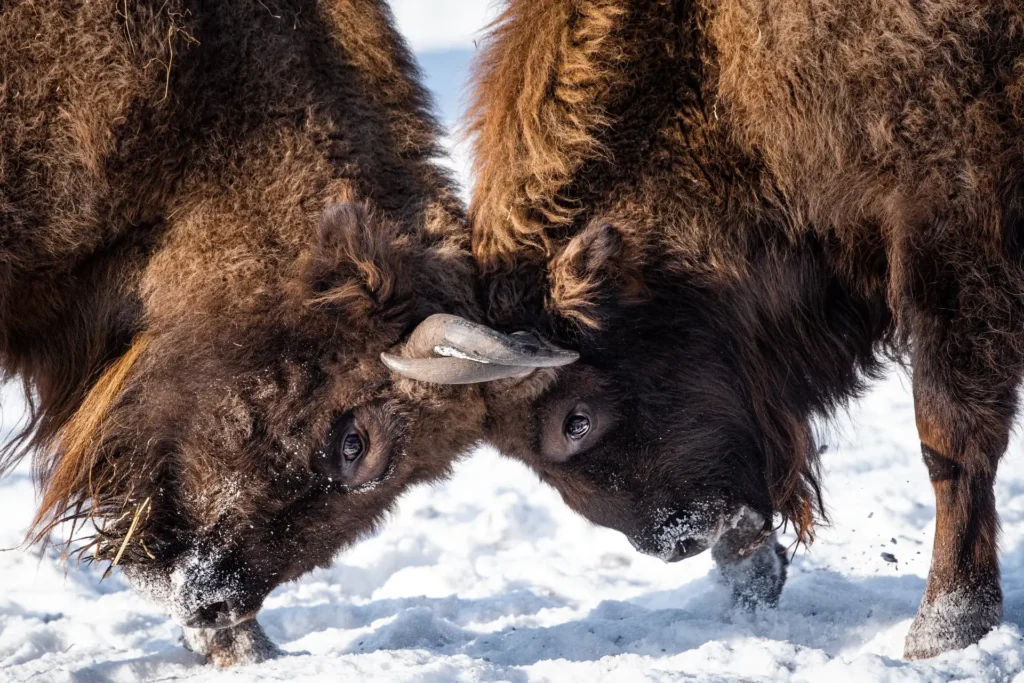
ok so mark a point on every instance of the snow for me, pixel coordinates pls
(489, 577)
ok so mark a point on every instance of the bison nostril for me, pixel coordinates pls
(216, 611)
(687, 547)
(214, 615)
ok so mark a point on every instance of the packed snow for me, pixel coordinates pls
(489, 577)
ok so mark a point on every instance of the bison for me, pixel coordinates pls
(214, 218)
(737, 210)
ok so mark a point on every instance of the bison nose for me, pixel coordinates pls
(670, 550)
(686, 547)
(220, 614)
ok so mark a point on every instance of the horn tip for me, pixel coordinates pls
(558, 358)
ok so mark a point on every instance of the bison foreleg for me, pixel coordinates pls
(753, 564)
(964, 429)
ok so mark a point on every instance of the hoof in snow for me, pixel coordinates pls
(755, 575)
(951, 622)
(245, 643)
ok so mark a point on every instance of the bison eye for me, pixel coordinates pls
(577, 426)
(352, 446)
(348, 457)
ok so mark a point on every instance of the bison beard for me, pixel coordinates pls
(735, 210)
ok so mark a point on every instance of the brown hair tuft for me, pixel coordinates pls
(70, 488)
(542, 114)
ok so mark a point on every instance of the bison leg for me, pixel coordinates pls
(753, 564)
(964, 431)
(245, 643)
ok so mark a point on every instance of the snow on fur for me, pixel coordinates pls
(490, 577)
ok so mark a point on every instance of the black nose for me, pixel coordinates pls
(686, 547)
(215, 615)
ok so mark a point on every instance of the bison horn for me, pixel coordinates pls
(447, 349)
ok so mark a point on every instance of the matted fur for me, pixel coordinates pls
(214, 218)
(725, 140)
(556, 62)
(547, 137)
(803, 188)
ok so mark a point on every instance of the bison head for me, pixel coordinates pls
(250, 430)
(675, 422)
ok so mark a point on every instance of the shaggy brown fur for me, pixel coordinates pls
(733, 207)
(190, 338)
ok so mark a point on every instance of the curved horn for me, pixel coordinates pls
(454, 337)
(447, 349)
(451, 370)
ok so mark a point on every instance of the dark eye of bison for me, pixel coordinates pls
(352, 447)
(347, 457)
(577, 426)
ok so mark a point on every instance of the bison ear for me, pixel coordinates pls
(597, 271)
(357, 263)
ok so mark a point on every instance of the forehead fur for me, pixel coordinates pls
(539, 103)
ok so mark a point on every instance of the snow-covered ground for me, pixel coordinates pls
(488, 577)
